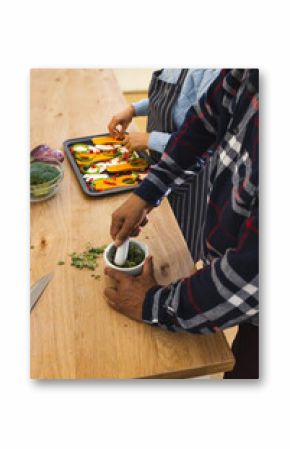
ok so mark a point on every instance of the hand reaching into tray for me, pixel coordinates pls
(136, 141)
(118, 125)
(120, 122)
(128, 219)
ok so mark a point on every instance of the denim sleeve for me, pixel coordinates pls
(141, 107)
(158, 141)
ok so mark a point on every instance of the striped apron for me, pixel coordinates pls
(189, 201)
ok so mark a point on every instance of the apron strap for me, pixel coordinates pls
(182, 77)
(162, 96)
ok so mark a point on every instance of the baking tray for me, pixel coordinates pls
(88, 140)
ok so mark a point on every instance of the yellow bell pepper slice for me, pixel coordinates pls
(126, 180)
(139, 164)
(106, 140)
(105, 184)
(84, 159)
(113, 183)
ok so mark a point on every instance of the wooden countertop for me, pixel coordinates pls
(74, 333)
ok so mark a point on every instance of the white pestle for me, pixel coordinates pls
(122, 253)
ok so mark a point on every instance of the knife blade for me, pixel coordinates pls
(38, 288)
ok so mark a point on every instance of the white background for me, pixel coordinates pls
(144, 34)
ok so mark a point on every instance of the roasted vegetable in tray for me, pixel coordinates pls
(105, 164)
(120, 181)
(139, 164)
(106, 140)
(85, 158)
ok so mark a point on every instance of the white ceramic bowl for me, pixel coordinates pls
(133, 271)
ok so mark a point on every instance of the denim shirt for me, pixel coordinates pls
(195, 84)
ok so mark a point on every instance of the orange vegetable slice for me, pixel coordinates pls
(113, 183)
(106, 140)
(100, 184)
(106, 156)
(126, 180)
(87, 156)
(139, 164)
(85, 159)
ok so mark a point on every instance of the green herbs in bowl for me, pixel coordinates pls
(45, 178)
(136, 255)
(138, 251)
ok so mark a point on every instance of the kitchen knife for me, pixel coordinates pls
(38, 288)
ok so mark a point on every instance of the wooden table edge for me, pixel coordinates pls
(184, 374)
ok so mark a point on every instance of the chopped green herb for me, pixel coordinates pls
(60, 262)
(98, 250)
(87, 259)
(90, 266)
(119, 152)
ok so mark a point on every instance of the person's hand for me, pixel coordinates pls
(120, 122)
(136, 141)
(127, 219)
(128, 295)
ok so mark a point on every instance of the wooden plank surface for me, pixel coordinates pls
(74, 334)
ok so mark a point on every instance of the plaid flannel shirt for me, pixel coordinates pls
(223, 125)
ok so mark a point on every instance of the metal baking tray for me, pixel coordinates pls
(88, 140)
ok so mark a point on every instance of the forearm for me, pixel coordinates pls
(214, 298)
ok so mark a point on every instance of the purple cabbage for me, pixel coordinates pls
(44, 153)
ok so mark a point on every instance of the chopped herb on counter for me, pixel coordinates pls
(88, 258)
(96, 276)
(60, 262)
